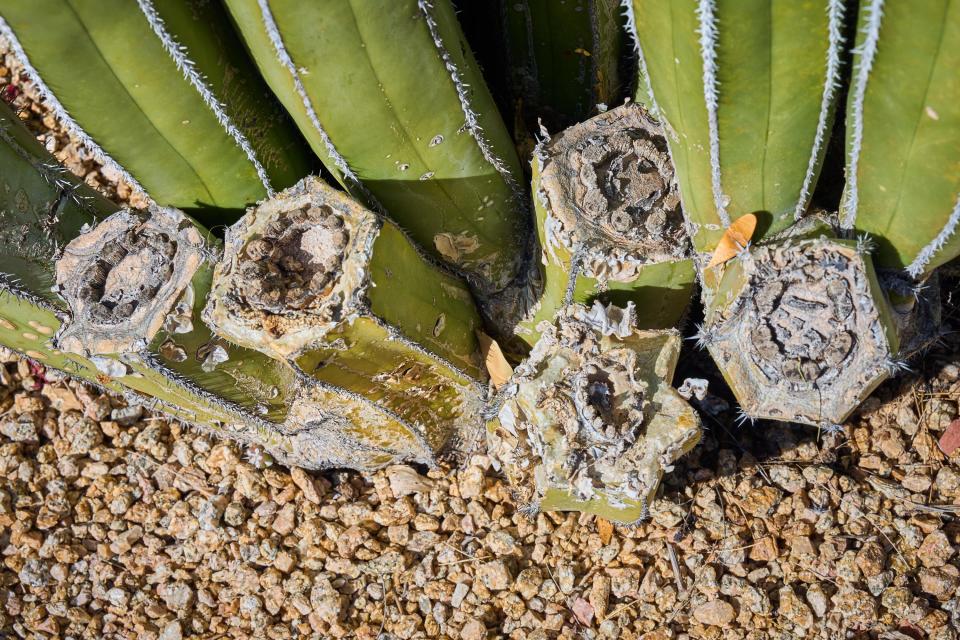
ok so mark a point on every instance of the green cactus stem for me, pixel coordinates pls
(44, 210)
(903, 134)
(801, 329)
(564, 57)
(164, 93)
(745, 90)
(392, 102)
(609, 221)
(384, 341)
(589, 421)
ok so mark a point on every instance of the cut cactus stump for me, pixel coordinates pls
(383, 341)
(609, 221)
(801, 330)
(589, 422)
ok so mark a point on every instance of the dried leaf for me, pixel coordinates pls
(735, 239)
(605, 529)
(497, 365)
(950, 440)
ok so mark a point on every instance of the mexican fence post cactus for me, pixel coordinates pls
(383, 342)
(609, 222)
(162, 92)
(432, 150)
(589, 422)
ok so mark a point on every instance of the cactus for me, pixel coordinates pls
(609, 221)
(564, 57)
(589, 421)
(164, 93)
(45, 211)
(745, 91)
(311, 277)
(903, 134)
(432, 150)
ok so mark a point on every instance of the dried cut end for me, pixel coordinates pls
(609, 187)
(589, 421)
(803, 337)
(123, 277)
(294, 266)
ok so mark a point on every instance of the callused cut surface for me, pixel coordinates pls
(121, 279)
(802, 338)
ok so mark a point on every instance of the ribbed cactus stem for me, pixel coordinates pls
(383, 341)
(164, 93)
(609, 220)
(564, 57)
(432, 151)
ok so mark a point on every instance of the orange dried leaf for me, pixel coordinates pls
(605, 529)
(497, 365)
(735, 239)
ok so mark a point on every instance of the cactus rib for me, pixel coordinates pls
(708, 53)
(180, 56)
(62, 115)
(903, 142)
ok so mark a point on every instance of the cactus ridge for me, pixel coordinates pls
(939, 242)
(866, 52)
(706, 15)
(831, 82)
(180, 56)
(472, 122)
(283, 56)
(61, 113)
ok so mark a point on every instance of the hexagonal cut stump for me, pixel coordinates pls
(801, 330)
(589, 421)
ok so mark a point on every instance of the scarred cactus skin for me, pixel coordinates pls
(609, 222)
(589, 422)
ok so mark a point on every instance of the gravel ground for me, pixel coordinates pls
(117, 523)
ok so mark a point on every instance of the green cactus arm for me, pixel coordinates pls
(432, 150)
(745, 91)
(179, 113)
(903, 133)
(371, 326)
(42, 207)
(595, 244)
(564, 56)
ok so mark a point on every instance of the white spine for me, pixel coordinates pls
(919, 264)
(631, 18)
(867, 53)
(61, 114)
(830, 84)
(178, 53)
(470, 116)
(270, 26)
(706, 12)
